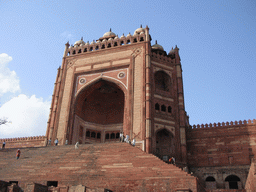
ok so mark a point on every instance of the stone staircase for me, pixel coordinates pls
(114, 166)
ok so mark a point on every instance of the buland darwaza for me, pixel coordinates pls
(133, 88)
(126, 85)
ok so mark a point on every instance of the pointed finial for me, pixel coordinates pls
(156, 41)
(110, 30)
(82, 38)
(140, 26)
(146, 26)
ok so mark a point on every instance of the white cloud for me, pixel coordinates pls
(9, 81)
(29, 116)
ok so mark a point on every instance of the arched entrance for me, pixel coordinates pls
(164, 144)
(98, 113)
(233, 181)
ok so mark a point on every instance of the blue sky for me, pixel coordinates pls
(217, 44)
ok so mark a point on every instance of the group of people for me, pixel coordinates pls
(56, 141)
(126, 139)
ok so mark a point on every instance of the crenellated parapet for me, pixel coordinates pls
(21, 142)
(105, 44)
(223, 124)
(23, 138)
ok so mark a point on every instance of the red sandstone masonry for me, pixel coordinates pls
(21, 142)
(116, 166)
(220, 142)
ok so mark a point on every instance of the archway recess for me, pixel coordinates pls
(165, 144)
(99, 110)
(233, 181)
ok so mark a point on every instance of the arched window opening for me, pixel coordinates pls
(112, 136)
(162, 81)
(91, 48)
(210, 179)
(169, 109)
(107, 136)
(128, 42)
(115, 44)
(157, 106)
(117, 135)
(103, 47)
(68, 53)
(233, 179)
(109, 45)
(141, 39)
(87, 133)
(98, 135)
(134, 40)
(79, 51)
(163, 108)
(85, 50)
(122, 42)
(97, 47)
(74, 52)
(93, 134)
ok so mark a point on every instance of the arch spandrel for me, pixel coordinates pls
(119, 77)
(159, 127)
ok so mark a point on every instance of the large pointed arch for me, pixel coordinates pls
(99, 107)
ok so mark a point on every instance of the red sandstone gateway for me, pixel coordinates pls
(125, 84)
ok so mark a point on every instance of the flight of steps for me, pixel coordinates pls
(115, 166)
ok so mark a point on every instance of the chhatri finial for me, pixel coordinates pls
(140, 25)
(110, 30)
(82, 38)
(156, 41)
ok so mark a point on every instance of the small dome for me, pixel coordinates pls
(116, 37)
(110, 39)
(122, 36)
(129, 35)
(104, 40)
(110, 33)
(157, 46)
(79, 42)
(172, 52)
(139, 30)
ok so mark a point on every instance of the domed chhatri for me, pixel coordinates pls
(80, 42)
(139, 30)
(157, 46)
(172, 52)
(109, 34)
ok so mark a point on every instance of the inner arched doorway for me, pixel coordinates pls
(98, 113)
(165, 144)
(233, 181)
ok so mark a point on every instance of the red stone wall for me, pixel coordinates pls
(21, 142)
(221, 144)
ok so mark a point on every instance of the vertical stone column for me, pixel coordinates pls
(182, 113)
(148, 93)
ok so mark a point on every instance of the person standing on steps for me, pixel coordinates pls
(127, 138)
(133, 142)
(56, 141)
(121, 137)
(3, 146)
(18, 154)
